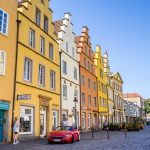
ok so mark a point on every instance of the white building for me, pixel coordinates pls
(69, 70)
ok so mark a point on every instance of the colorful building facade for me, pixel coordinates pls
(8, 29)
(88, 93)
(117, 84)
(70, 86)
(101, 87)
(37, 103)
(110, 90)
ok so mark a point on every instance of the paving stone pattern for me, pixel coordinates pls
(134, 141)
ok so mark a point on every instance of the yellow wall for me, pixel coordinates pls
(8, 44)
(98, 60)
(26, 14)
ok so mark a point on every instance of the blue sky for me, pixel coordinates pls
(122, 27)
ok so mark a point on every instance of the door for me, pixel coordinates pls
(55, 119)
(43, 123)
(1, 124)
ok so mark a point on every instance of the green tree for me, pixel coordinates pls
(147, 106)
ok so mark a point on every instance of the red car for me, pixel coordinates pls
(64, 134)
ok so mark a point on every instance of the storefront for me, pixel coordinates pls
(4, 107)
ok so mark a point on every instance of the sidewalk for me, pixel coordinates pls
(24, 145)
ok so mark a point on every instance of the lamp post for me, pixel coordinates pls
(75, 110)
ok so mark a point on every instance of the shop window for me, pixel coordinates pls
(26, 120)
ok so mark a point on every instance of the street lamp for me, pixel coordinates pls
(75, 110)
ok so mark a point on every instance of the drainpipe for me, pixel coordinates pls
(15, 75)
(80, 96)
(60, 90)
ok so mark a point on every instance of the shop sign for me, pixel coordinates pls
(24, 97)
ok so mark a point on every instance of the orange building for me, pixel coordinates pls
(89, 106)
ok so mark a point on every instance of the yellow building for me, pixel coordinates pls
(38, 70)
(101, 87)
(8, 28)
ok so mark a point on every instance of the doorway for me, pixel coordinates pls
(42, 121)
(1, 124)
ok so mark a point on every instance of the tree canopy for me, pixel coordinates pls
(147, 106)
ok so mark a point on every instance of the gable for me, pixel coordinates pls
(117, 76)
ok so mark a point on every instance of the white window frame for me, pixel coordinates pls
(73, 52)
(89, 120)
(51, 51)
(64, 67)
(82, 98)
(67, 47)
(65, 94)
(39, 75)
(29, 69)
(32, 38)
(38, 18)
(1, 31)
(4, 64)
(31, 108)
(56, 111)
(46, 23)
(83, 120)
(75, 73)
(42, 45)
(52, 80)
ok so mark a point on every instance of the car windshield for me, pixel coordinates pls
(64, 128)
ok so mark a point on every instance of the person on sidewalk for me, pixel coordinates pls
(16, 128)
(105, 125)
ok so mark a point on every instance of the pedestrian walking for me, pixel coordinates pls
(16, 128)
(105, 125)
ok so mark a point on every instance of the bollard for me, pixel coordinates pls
(125, 131)
(92, 134)
(107, 133)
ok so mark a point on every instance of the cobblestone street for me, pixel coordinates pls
(134, 141)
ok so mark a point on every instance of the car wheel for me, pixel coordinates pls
(79, 137)
(72, 139)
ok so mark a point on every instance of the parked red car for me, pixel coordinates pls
(64, 134)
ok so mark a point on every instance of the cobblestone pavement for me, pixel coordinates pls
(139, 140)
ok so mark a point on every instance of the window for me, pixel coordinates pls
(32, 38)
(73, 52)
(28, 69)
(101, 73)
(26, 120)
(83, 98)
(95, 102)
(76, 93)
(89, 83)
(42, 45)
(46, 23)
(67, 47)
(52, 80)
(94, 86)
(91, 68)
(99, 85)
(3, 22)
(84, 63)
(75, 73)
(41, 75)
(85, 50)
(82, 80)
(89, 100)
(51, 51)
(64, 67)
(89, 120)
(38, 17)
(83, 120)
(55, 119)
(64, 91)
(88, 65)
(2, 62)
